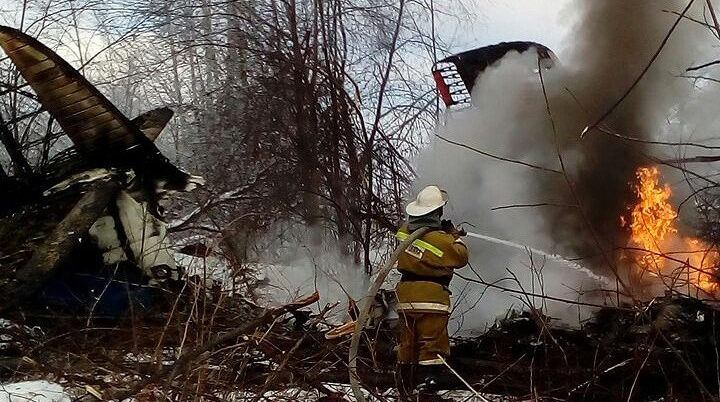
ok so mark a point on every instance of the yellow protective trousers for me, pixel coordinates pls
(423, 336)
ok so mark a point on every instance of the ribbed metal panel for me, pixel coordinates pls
(93, 124)
(102, 135)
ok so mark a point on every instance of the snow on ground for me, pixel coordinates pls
(10, 331)
(36, 391)
(296, 394)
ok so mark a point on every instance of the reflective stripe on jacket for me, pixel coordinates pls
(435, 255)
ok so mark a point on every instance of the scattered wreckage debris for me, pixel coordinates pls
(89, 221)
(660, 350)
(180, 364)
(384, 307)
(665, 348)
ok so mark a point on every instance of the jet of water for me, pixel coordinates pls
(555, 257)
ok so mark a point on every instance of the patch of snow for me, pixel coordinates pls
(193, 183)
(167, 358)
(36, 391)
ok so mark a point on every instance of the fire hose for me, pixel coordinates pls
(365, 311)
(383, 273)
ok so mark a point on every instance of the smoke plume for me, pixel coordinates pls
(610, 44)
(614, 40)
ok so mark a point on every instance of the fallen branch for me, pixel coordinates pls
(467, 384)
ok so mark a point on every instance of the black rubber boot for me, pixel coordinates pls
(429, 383)
(405, 374)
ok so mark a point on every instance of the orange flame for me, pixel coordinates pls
(652, 225)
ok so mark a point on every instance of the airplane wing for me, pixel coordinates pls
(100, 132)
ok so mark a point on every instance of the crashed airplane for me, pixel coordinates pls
(86, 227)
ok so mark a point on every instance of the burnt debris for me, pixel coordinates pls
(86, 221)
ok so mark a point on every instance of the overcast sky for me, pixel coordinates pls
(493, 21)
(509, 20)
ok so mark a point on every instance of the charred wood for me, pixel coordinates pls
(57, 245)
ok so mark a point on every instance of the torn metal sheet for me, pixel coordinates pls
(89, 218)
(455, 75)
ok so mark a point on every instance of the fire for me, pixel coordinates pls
(652, 226)
(652, 217)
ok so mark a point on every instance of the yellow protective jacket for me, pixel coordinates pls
(427, 266)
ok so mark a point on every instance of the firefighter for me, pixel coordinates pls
(423, 295)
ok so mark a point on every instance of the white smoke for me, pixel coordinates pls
(507, 119)
(298, 265)
(610, 44)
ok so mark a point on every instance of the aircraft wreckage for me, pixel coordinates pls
(86, 222)
(456, 74)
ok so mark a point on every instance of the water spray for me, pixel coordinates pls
(551, 256)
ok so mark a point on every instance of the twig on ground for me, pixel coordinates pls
(469, 387)
(192, 355)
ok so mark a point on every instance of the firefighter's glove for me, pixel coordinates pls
(449, 228)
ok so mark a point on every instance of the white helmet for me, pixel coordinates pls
(428, 200)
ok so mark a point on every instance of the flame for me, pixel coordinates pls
(652, 226)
